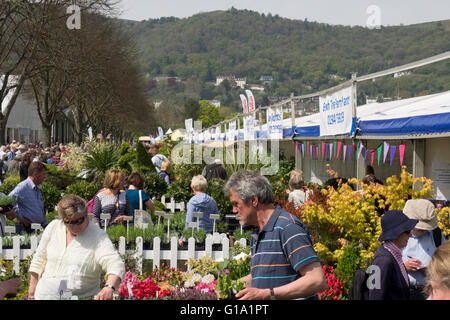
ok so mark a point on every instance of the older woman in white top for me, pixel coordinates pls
(75, 250)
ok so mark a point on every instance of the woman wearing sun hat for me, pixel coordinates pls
(421, 245)
(391, 278)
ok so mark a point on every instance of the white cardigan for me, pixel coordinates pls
(80, 263)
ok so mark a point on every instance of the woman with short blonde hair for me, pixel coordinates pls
(438, 274)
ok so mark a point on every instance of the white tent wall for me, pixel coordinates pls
(437, 165)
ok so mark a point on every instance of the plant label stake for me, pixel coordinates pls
(198, 215)
(192, 225)
(128, 219)
(106, 217)
(168, 216)
(35, 227)
(159, 214)
(10, 229)
(214, 217)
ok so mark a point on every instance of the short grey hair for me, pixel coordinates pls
(248, 183)
(199, 183)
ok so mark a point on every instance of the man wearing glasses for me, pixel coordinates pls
(29, 205)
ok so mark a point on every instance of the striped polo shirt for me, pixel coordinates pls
(280, 250)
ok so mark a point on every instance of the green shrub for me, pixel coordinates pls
(9, 184)
(52, 215)
(348, 264)
(143, 159)
(59, 177)
(84, 189)
(180, 190)
(154, 185)
(247, 234)
(51, 195)
(100, 158)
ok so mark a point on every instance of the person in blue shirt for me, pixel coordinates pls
(136, 185)
(421, 245)
(164, 172)
(29, 207)
(201, 202)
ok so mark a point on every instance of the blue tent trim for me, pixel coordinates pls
(426, 124)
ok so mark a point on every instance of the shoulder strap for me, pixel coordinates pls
(140, 199)
(437, 236)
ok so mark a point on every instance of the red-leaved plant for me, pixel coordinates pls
(335, 287)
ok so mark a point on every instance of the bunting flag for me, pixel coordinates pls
(401, 150)
(338, 149)
(393, 149)
(350, 152)
(386, 150)
(304, 149)
(379, 149)
(357, 148)
(331, 151)
(360, 147)
(323, 149)
(365, 155)
(310, 151)
(326, 152)
(344, 153)
(334, 148)
(372, 153)
(307, 148)
(354, 147)
(296, 147)
(320, 151)
(317, 151)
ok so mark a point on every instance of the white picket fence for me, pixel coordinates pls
(172, 205)
(174, 254)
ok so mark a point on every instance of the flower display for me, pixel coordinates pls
(335, 289)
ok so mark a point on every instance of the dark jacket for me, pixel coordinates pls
(215, 170)
(393, 285)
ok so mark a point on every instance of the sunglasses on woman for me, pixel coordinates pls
(75, 222)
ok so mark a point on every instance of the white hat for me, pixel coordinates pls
(422, 210)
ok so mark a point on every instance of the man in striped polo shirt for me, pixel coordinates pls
(284, 264)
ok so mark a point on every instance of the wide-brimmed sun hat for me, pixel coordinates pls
(422, 210)
(394, 223)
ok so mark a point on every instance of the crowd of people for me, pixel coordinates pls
(413, 259)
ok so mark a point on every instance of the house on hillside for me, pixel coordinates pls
(266, 79)
(234, 82)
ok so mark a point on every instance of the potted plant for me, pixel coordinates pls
(7, 203)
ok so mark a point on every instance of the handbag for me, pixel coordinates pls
(141, 217)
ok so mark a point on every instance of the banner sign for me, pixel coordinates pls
(231, 133)
(251, 101)
(244, 103)
(336, 114)
(188, 124)
(275, 123)
(249, 128)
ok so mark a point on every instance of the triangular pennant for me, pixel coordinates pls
(304, 149)
(385, 150)
(350, 153)
(296, 147)
(307, 148)
(379, 149)
(393, 149)
(360, 147)
(372, 153)
(334, 148)
(317, 151)
(401, 150)
(338, 149)
(344, 153)
(323, 149)
(365, 156)
(310, 151)
(357, 148)
(326, 152)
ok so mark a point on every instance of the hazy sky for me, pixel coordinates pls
(345, 12)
